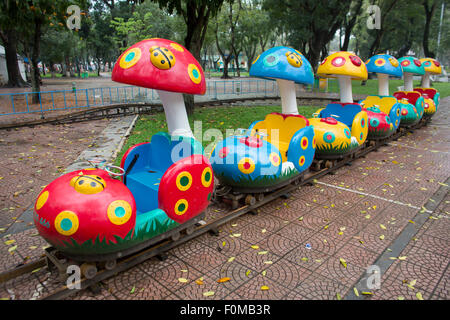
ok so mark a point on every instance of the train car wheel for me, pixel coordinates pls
(110, 264)
(175, 236)
(250, 200)
(190, 230)
(260, 197)
(88, 270)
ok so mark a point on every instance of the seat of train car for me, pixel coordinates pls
(286, 125)
(411, 96)
(342, 112)
(385, 103)
(431, 92)
(152, 161)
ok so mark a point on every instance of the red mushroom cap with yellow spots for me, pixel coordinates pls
(343, 63)
(160, 64)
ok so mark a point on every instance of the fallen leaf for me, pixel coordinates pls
(199, 282)
(401, 298)
(182, 280)
(132, 290)
(338, 296)
(222, 280)
(268, 262)
(382, 226)
(263, 252)
(382, 237)
(367, 293)
(10, 242)
(247, 273)
(231, 259)
(255, 247)
(356, 292)
(264, 288)
(343, 262)
(419, 296)
(12, 249)
(402, 258)
(208, 293)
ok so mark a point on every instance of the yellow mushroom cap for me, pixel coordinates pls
(431, 65)
(343, 63)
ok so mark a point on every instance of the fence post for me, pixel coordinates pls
(53, 101)
(76, 100)
(65, 102)
(87, 98)
(12, 101)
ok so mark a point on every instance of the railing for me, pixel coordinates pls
(22, 103)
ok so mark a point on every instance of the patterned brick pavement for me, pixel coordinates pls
(350, 220)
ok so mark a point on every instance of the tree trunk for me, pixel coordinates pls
(35, 51)
(12, 63)
(429, 12)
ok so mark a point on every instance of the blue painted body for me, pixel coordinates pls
(153, 161)
(342, 113)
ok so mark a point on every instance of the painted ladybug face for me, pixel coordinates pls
(162, 58)
(294, 59)
(88, 184)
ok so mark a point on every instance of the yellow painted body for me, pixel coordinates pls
(385, 104)
(280, 130)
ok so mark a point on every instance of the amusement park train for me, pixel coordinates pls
(163, 186)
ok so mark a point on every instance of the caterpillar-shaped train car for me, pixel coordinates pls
(167, 183)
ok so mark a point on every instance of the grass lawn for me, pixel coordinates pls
(220, 118)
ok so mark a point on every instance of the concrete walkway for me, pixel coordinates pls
(388, 211)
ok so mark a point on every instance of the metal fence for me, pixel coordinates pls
(22, 103)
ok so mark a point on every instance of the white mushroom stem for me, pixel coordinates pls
(345, 89)
(426, 80)
(176, 116)
(408, 80)
(288, 96)
(383, 84)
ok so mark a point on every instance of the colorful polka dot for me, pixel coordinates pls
(380, 62)
(363, 123)
(119, 212)
(194, 74)
(181, 207)
(329, 137)
(301, 161)
(223, 152)
(207, 177)
(66, 223)
(304, 143)
(130, 58)
(184, 181)
(374, 122)
(338, 61)
(274, 159)
(347, 133)
(42, 200)
(271, 60)
(246, 165)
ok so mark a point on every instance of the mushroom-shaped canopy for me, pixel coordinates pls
(343, 63)
(431, 65)
(160, 64)
(386, 64)
(283, 63)
(412, 65)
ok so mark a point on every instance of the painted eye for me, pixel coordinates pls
(355, 60)
(338, 61)
(271, 60)
(417, 62)
(374, 122)
(184, 181)
(405, 63)
(207, 177)
(119, 212)
(162, 58)
(194, 74)
(66, 223)
(130, 58)
(437, 63)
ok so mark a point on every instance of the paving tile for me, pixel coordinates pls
(251, 290)
(317, 287)
(254, 260)
(287, 273)
(308, 258)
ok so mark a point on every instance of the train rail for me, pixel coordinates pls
(54, 261)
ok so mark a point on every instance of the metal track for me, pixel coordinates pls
(212, 226)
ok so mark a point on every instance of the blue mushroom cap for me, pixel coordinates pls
(385, 63)
(283, 63)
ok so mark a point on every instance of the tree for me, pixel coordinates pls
(10, 20)
(310, 24)
(429, 9)
(196, 14)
